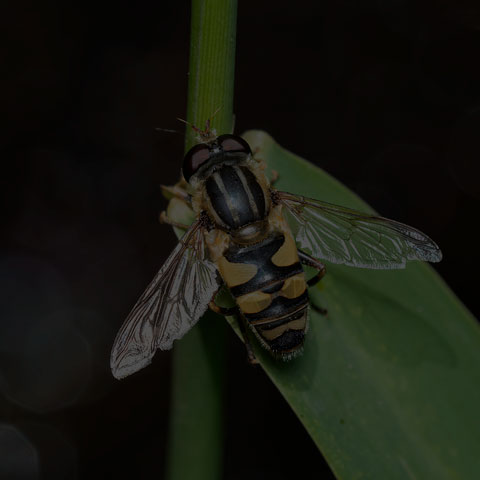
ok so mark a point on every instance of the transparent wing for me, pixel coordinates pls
(174, 301)
(341, 235)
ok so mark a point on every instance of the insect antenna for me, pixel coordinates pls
(167, 130)
(203, 136)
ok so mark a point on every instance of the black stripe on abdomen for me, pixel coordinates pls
(286, 335)
(266, 275)
(279, 307)
(287, 342)
(267, 272)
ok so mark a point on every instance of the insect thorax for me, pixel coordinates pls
(237, 199)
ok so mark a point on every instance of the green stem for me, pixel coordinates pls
(196, 432)
(212, 65)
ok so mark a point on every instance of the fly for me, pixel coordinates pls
(253, 239)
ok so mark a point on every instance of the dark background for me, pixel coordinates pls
(383, 95)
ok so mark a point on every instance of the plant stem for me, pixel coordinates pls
(212, 64)
(196, 433)
(196, 423)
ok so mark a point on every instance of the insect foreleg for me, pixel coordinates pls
(176, 191)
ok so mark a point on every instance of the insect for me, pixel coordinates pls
(253, 239)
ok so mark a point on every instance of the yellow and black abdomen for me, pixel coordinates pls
(268, 283)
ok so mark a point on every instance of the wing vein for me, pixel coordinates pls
(345, 236)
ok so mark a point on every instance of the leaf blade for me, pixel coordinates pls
(388, 385)
(388, 378)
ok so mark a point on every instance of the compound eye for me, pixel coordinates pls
(233, 143)
(194, 159)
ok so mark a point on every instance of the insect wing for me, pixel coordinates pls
(341, 235)
(173, 302)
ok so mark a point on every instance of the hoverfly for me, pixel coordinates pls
(253, 239)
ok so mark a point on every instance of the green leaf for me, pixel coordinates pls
(388, 386)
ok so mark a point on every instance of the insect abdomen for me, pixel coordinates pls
(268, 283)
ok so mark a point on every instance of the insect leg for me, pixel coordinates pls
(164, 218)
(316, 278)
(175, 191)
(311, 262)
(321, 270)
(263, 165)
(225, 311)
(251, 358)
(274, 178)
